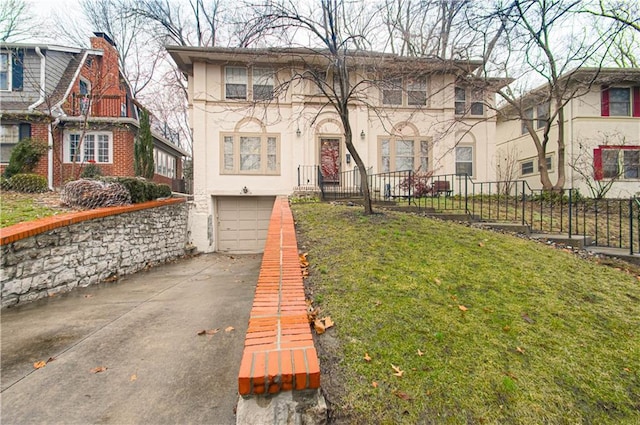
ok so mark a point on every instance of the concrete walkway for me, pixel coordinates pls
(143, 330)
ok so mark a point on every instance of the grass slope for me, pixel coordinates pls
(546, 337)
(18, 207)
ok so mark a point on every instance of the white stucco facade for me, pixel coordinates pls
(290, 128)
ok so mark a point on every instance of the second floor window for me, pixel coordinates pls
(235, 82)
(238, 80)
(408, 92)
(5, 71)
(468, 101)
(620, 102)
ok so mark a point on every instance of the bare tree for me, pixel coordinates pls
(538, 36)
(14, 21)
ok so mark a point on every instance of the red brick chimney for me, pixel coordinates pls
(108, 68)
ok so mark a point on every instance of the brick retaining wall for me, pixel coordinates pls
(55, 254)
(279, 354)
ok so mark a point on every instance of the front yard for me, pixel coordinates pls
(441, 323)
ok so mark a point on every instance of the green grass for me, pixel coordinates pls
(19, 208)
(546, 337)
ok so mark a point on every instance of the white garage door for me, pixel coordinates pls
(243, 222)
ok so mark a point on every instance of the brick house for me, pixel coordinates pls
(601, 130)
(260, 119)
(78, 101)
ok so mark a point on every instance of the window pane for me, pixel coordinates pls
(272, 154)
(527, 168)
(262, 84)
(250, 149)
(392, 92)
(9, 136)
(235, 83)
(619, 102)
(384, 154)
(404, 155)
(4, 71)
(460, 101)
(464, 160)
(417, 91)
(103, 148)
(424, 155)
(631, 164)
(610, 167)
(477, 108)
(74, 145)
(549, 161)
(527, 116)
(89, 148)
(228, 153)
(543, 115)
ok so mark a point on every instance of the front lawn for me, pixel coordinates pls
(17, 207)
(481, 327)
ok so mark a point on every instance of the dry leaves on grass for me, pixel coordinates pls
(99, 369)
(397, 371)
(321, 325)
(420, 353)
(367, 358)
(134, 377)
(229, 329)
(39, 365)
(403, 395)
(462, 308)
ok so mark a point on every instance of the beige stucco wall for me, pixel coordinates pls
(584, 129)
(211, 116)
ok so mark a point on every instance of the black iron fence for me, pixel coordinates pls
(611, 223)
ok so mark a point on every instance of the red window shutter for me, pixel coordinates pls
(604, 102)
(636, 101)
(597, 164)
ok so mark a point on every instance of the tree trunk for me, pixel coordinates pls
(364, 179)
(561, 172)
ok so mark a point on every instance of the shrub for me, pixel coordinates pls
(30, 183)
(90, 171)
(142, 190)
(94, 194)
(5, 184)
(25, 156)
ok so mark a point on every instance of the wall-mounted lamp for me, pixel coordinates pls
(348, 158)
(245, 190)
(298, 132)
(362, 135)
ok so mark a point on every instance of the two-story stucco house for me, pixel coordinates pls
(260, 120)
(601, 127)
(78, 102)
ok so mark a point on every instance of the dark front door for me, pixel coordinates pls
(330, 160)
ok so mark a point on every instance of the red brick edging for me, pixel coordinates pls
(279, 354)
(32, 228)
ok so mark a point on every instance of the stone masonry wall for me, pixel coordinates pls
(91, 251)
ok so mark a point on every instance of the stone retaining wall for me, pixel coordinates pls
(56, 254)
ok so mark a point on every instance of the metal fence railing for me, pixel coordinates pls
(611, 223)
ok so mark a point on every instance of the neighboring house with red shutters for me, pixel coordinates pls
(77, 101)
(601, 127)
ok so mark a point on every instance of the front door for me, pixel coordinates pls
(330, 160)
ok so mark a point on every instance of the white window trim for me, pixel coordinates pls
(263, 171)
(620, 163)
(469, 101)
(473, 158)
(403, 88)
(417, 153)
(534, 160)
(67, 147)
(9, 71)
(249, 83)
(533, 167)
(13, 129)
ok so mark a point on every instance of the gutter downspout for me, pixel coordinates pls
(43, 66)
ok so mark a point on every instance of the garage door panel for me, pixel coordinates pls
(243, 223)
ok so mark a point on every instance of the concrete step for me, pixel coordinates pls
(580, 242)
(454, 217)
(506, 227)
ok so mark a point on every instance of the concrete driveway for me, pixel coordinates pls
(143, 330)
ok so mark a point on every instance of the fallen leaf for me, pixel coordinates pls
(378, 303)
(454, 298)
(133, 377)
(98, 369)
(403, 396)
(420, 353)
(511, 375)
(202, 332)
(480, 244)
(39, 365)
(487, 310)
(527, 319)
(51, 359)
(437, 281)
(520, 350)
(328, 323)
(366, 357)
(506, 328)
(463, 308)
(397, 370)
(88, 296)
(308, 302)
(428, 393)
(374, 384)
(626, 369)
(228, 329)
(318, 326)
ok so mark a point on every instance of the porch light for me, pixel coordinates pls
(362, 134)
(348, 158)
(298, 132)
